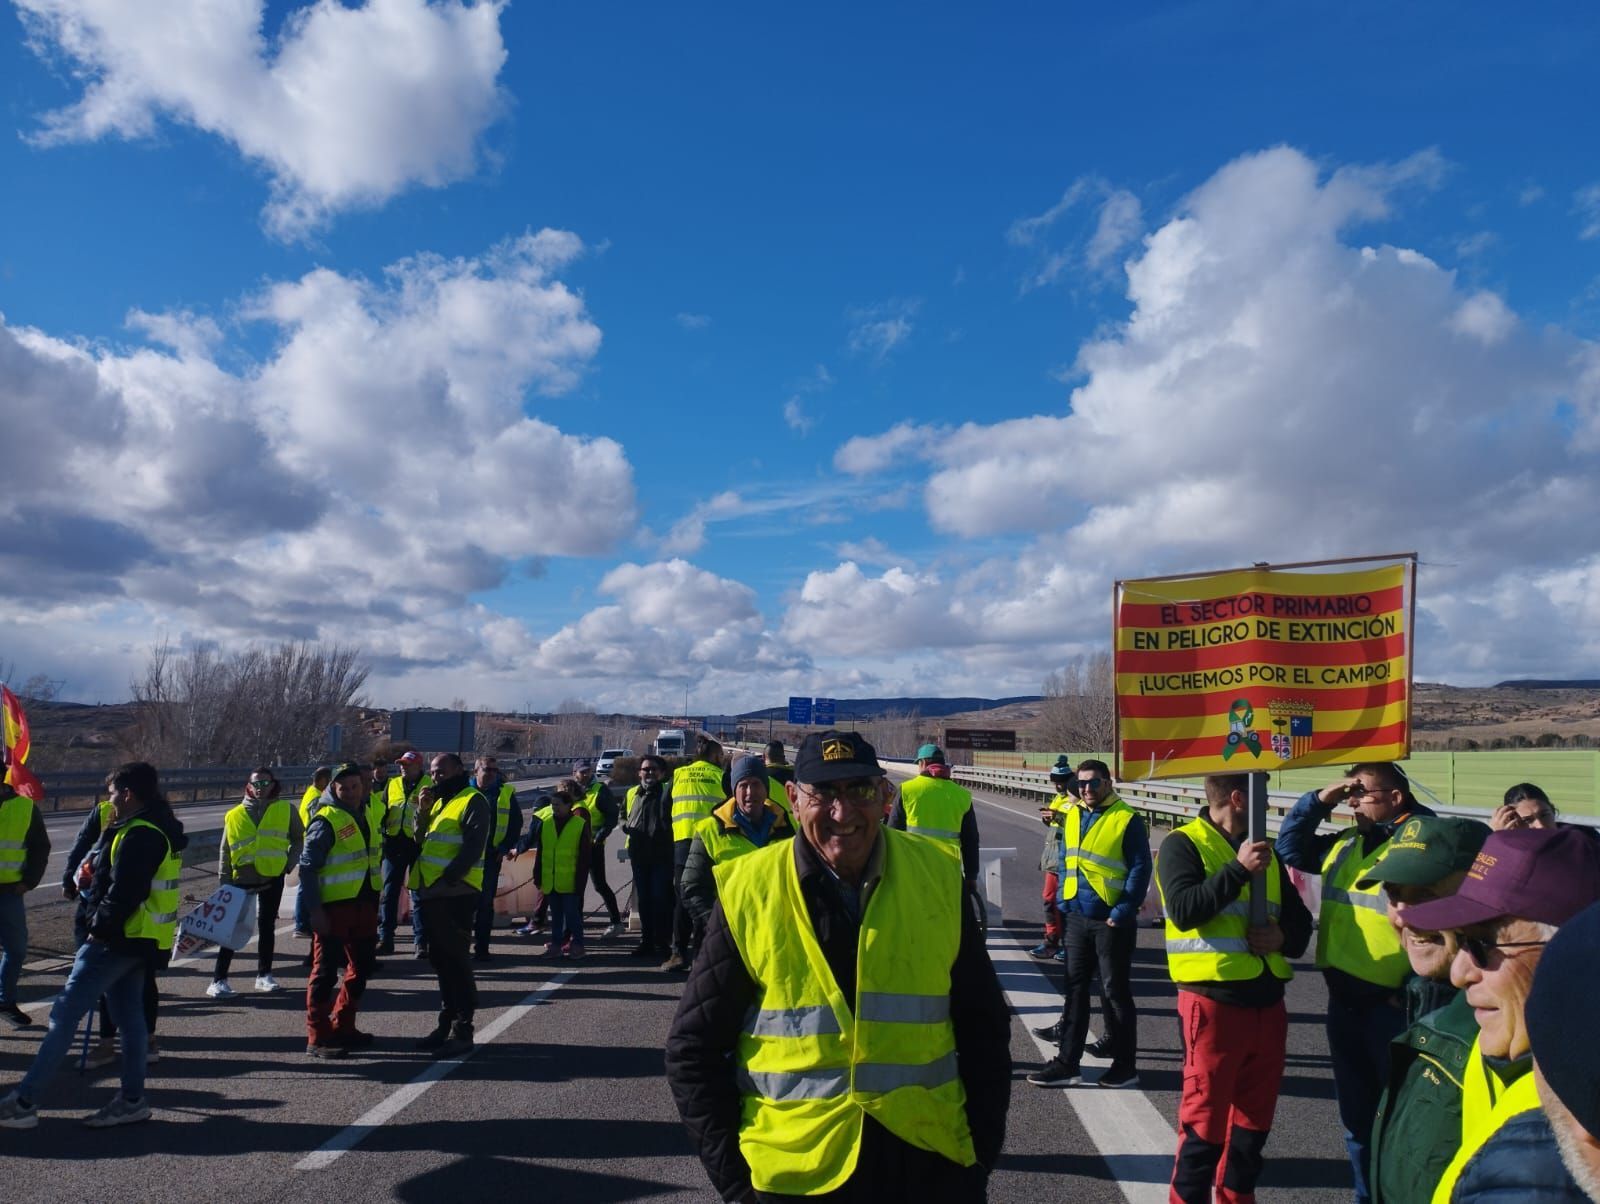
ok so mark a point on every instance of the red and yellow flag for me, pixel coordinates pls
(1262, 669)
(14, 727)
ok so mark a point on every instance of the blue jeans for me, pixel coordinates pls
(566, 918)
(1358, 1045)
(97, 971)
(399, 855)
(13, 945)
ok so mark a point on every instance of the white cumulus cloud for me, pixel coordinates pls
(345, 107)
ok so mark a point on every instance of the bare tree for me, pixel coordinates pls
(272, 705)
(1080, 706)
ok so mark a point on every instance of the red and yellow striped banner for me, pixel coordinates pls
(1262, 669)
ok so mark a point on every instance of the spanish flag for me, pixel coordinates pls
(14, 725)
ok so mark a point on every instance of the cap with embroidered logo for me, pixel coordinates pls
(834, 757)
(1426, 849)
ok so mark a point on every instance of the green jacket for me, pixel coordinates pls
(1418, 1126)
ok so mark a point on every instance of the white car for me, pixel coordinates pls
(602, 767)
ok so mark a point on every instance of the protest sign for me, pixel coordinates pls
(227, 918)
(1262, 669)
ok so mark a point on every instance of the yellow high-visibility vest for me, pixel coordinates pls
(1486, 1105)
(811, 1064)
(1099, 859)
(724, 843)
(1219, 950)
(354, 859)
(558, 854)
(265, 847)
(157, 917)
(443, 841)
(16, 817)
(936, 807)
(308, 805)
(696, 793)
(401, 816)
(1353, 931)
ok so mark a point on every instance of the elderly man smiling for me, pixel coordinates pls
(843, 1032)
(1521, 888)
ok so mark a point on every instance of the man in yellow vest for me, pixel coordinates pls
(601, 804)
(696, 793)
(454, 823)
(1358, 950)
(843, 1030)
(24, 850)
(1523, 886)
(129, 900)
(748, 821)
(1230, 977)
(261, 839)
(931, 805)
(502, 796)
(400, 852)
(1105, 873)
(340, 876)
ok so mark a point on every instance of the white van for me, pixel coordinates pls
(608, 757)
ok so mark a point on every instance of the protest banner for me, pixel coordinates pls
(227, 918)
(1265, 668)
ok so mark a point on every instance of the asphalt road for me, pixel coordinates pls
(565, 1096)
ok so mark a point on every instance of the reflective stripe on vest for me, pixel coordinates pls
(1486, 1105)
(810, 1064)
(696, 793)
(502, 813)
(1099, 861)
(156, 919)
(558, 854)
(1219, 950)
(442, 843)
(401, 816)
(16, 817)
(935, 808)
(353, 860)
(266, 848)
(1353, 932)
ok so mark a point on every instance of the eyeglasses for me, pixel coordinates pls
(1518, 820)
(1478, 947)
(855, 793)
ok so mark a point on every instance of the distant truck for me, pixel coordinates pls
(671, 742)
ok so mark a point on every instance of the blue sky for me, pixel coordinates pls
(603, 352)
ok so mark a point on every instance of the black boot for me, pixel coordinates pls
(439, 1035)
(460, 1042)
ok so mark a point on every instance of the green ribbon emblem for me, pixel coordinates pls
(1241, 720)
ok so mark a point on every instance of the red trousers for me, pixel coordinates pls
(1053, 927)
(1232, 1067)
(351, 945)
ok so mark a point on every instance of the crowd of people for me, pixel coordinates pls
(842, 1031)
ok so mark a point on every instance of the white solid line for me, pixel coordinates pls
(353, 1135)
(1132, 1137)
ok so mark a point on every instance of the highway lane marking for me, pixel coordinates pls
(1128, 1132)
(375, 1118)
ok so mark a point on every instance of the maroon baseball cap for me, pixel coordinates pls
(1547, 875)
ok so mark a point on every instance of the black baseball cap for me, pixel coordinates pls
(834, 757)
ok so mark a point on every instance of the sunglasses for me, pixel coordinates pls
(1088, 783)
(857, 794)
(1479, 948)
(261, 783)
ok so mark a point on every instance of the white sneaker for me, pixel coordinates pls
(219, 990)
(118, 1112)
(265, 982)
(614, 930)
(14, 1114)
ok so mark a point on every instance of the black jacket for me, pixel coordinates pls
(119, 887)
(720, 994)
(1520, 1164)
(1191, 897)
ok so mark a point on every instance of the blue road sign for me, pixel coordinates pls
(800, 711)
(822, 712)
